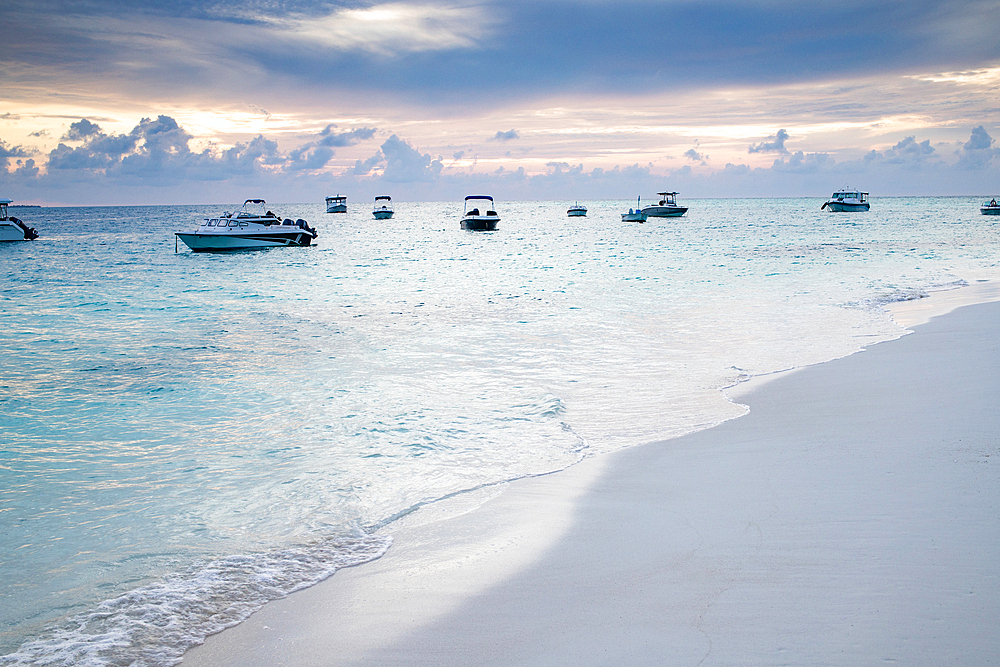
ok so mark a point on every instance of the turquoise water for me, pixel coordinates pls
(186, 436)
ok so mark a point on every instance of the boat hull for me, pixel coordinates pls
(339, 208)
(633, 217)
(664, 211)
(480, 223)
(845, 207)
(246, 241)
(576, 213)
(989, 210)
(14, 230)
(382, 215)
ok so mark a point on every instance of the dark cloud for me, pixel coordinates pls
(506, 136)
(12, 151)
(720, 42)
(775, 144)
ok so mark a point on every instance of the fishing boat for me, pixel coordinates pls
(252, 228)
(667, 207)
(991, 208)
(476, 220)
(12, 229)
(336, 204)
(634, 215)
(577, 210)
(383, 210)
(847, 200)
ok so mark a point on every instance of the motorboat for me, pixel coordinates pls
(848, 200)
(666, 208)
(474, 219)
(252, 227)
(634, 215)
(336, 204)
(991, 208)
(383, 207)
(12, 229)
(577, 210)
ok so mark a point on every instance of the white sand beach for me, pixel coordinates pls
(851, 518)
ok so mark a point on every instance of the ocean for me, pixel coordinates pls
(184, 437)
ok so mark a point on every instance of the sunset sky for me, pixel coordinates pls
(147, 102)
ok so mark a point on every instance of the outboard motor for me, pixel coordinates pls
(288, 221)
(305, 225)
(29, 232)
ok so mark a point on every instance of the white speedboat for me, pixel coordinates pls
(383, 207)
(848, 200)
(636, 215)
(990, 209)
(477, 220)
(12, 229)
(666, 208)
(336, 204)
(252, 228)
(577, 210)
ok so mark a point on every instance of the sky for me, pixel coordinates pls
(106, 102)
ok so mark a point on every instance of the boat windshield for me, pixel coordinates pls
(252, 208)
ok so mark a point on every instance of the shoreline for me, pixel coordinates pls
(841, 521)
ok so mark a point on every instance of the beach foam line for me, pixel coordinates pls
(849, 518)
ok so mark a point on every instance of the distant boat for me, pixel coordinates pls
(250, 229)
(12, 229)
(666, 208)
(474, 219)
(636, 215)
(336, 204)
(847, 201)
(990, 209)
(384, 210)
(576, 210)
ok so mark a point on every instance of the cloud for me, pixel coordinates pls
(80, 130)
(405, 164)
(506, 136)
(775, 144)
(362, 168)
(12, 151)
(395, 28)
(694, 155)
(978, 151)
(347, 138)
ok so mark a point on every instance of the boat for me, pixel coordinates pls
(576, 210)
(636, 215)
(848, 200)
(475, 220)
(990, 209)
(383, 211)
(336, 204)
(12, 229)
(666, 208)
(252, 228)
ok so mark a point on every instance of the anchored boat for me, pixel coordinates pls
(476, 220)
(252, 228)
(383, 210)
(847, 201)
(12, 229)
(636, 215)
(666, 208)
(577, 210)
(990, 209)
(336, 204)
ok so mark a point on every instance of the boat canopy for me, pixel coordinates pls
(385, 197)
(337, 198)
(479, 197)
(6, 201)
(664, 194)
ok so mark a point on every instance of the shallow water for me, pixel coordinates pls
(186, 436)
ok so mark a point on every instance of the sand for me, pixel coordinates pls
(851, 518)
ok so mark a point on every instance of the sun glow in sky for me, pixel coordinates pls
(204, 102)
